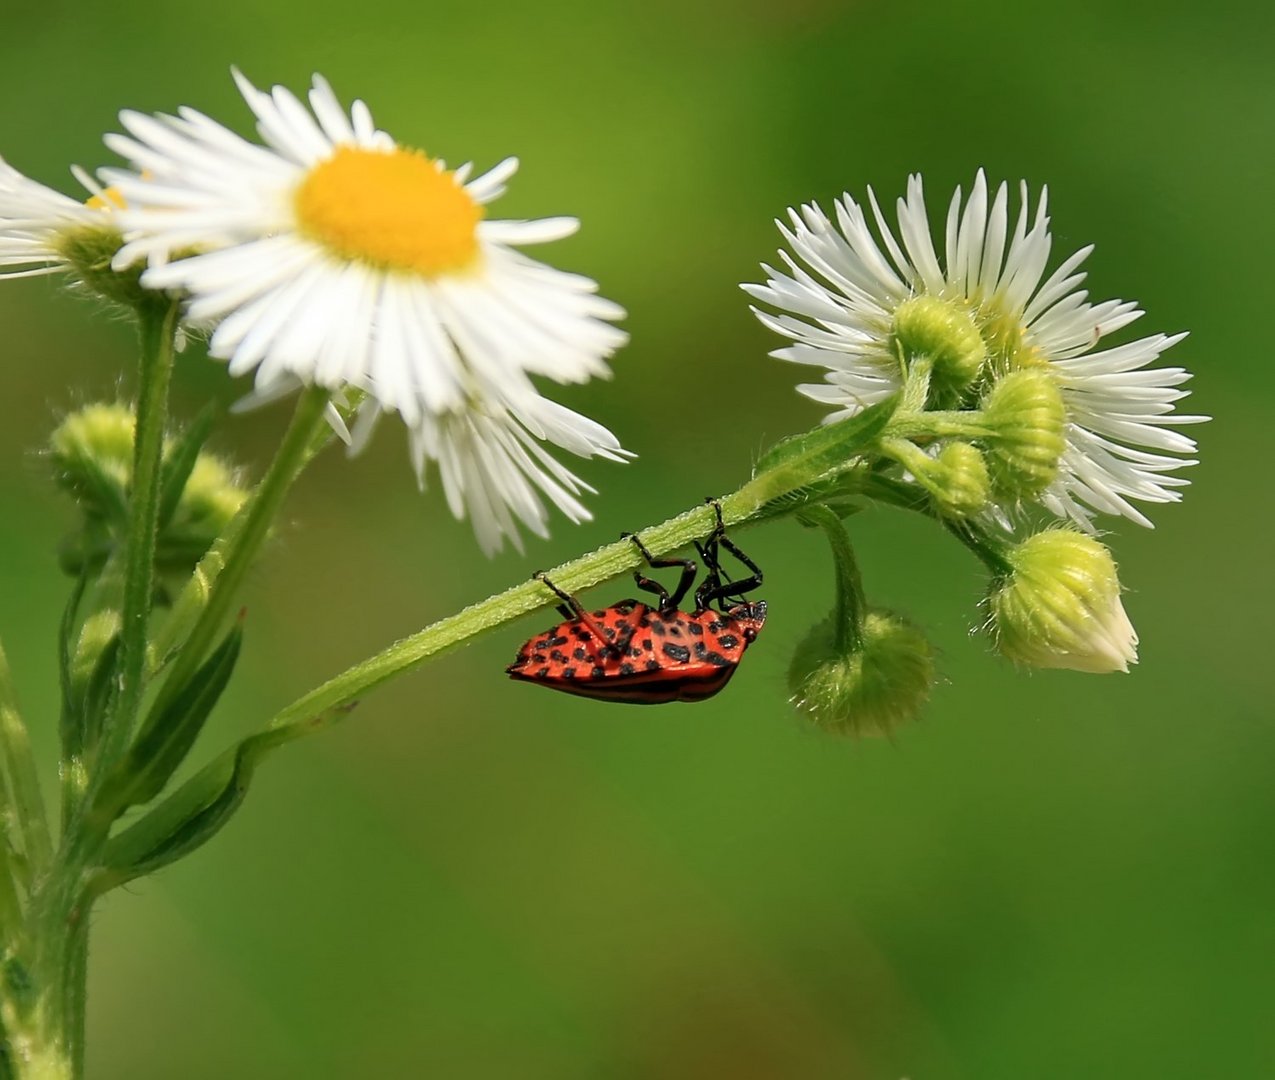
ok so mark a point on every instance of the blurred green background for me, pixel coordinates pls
(1053, 876)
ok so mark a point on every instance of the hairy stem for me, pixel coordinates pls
(157, 325)
(851, 604)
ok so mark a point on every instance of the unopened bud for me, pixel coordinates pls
(92, 452)
(956, 477)
(946, 334)
(871, 689)
(211, 497)
(1026, 415)
(1059, 607)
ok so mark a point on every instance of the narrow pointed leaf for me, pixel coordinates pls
(168, 734)
(832, 444)
(198, 810)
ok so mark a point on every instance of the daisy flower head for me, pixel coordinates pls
(328, 254)
(1095, 426)
(42, 230)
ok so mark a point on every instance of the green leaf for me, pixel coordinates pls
(169, 733)
(832, 444)
(180, 461)
(97, 695)
(198, 810)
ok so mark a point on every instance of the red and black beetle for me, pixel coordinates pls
(645, 655)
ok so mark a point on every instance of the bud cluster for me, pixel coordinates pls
(92, 456)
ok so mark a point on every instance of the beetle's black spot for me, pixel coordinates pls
(556, 641)
(540, 658)
(701, 650)
(646, 644)
(715, 626)
(582, 632)
(694, 628)
(680, 653)
(579, 654)
(717, 660)
(568, 673)
(558, 656)
(627, 669)
(652, 665)
(644, 619)
(659, 628)
(599, 614)
(608, 633)
(542, 673)
(675, 630)
(728, 641)
(635, 652)
(597, 673)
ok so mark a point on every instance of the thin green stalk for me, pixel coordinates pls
(158, 326)
(31, 815)
(250, 532)
(957, 424)
(851, 602)
(459, 629)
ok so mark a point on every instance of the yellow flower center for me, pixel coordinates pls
(109, 200)
(393, 208)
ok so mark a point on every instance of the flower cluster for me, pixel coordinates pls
(1010, 414)
(328, 254)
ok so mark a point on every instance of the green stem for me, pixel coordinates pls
(852, 606)
(250, 531)
(459, 629)
(31, 816)
(956, 424)
(905, 496)
(158, 326)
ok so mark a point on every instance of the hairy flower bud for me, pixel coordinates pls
(89, 250)
(956, 478)
(870, 690)
(1059, 607)
(946, 335)
(92, 452)
(211, 497)
(1027, 417)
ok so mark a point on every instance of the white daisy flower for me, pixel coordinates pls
(844, 284)
(332, 255)
(36, 220)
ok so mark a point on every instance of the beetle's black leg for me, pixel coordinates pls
(667, 603)
(573, 609)
(717, 585)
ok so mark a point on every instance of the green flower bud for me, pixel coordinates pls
(211, 497)
(92, 452)
(871, 690)
(1026, 415)
(945, 334)
(956, 478)
(966, 483)
(1059, 607)
(88, 251)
